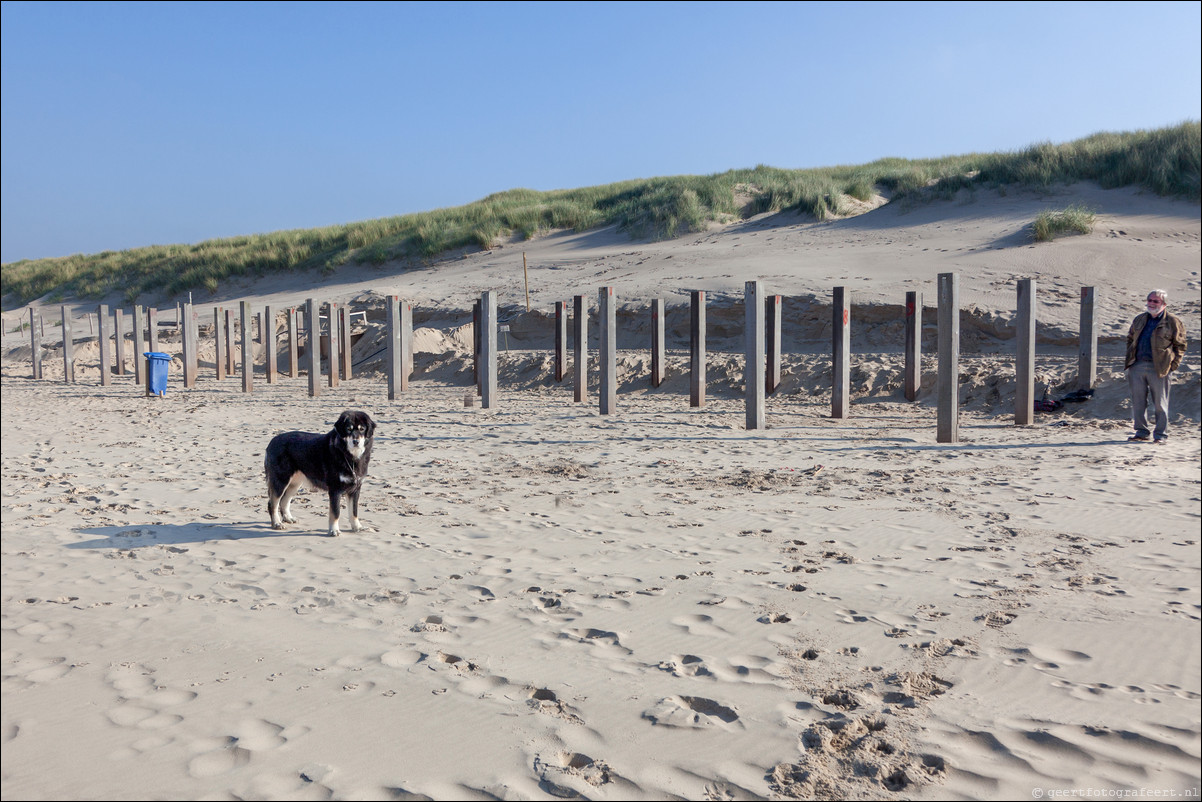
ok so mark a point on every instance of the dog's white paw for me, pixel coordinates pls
(356, 526)
(288, 519)
(335, 532)
(278, 525)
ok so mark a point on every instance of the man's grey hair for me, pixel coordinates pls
(1161, 294)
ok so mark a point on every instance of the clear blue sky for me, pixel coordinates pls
(147, 123)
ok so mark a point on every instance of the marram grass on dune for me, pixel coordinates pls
(1166, 161)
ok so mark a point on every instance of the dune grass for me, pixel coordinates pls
(1165, 161)
(1071, 220)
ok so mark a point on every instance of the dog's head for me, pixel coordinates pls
(356, 428)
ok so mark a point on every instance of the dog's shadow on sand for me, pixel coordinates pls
(137, 537)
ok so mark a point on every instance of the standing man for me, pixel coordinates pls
(1155, 345)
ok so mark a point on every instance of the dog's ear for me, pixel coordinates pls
(344, 422)
(371, 424)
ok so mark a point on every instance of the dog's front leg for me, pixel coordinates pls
(335, 511)
(354, 497)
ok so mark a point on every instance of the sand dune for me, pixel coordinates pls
(553, 603)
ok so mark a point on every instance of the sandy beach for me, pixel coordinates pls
(548, 602)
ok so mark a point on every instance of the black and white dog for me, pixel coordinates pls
(335, 462)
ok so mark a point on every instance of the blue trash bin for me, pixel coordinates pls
(156, 372)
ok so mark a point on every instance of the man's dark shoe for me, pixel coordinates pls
(1138, 438)
(1160, 441)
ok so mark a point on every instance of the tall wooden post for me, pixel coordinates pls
(119, 327)
(220, 343)
(248, 349)
(293, 342)
(332, 329)
(140, 345)
(35, 341)
(476, 348)
(580, 348)
(102, 318)
(395, 362)
(913, 370)
(1024, 366)
(561, 340)
(68, 348)
(152, 328)
(231, 336)
(658, 346)
(488, 349)
(607, 312)
(1087, 358)
(344, 324)
(697, 349)
(190, 346)
(841, 353)
(753, 367)
(313, 346)
(948, 392)
(772, 343)
(270, 343)
(406, 343)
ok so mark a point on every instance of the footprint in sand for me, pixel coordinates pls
(693, 712)
(544, 700)
(686, 665)
(599, 637)
(217, 756)
(25, 673)
(568, 771)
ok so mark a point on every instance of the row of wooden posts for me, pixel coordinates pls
(763, 322)
(226, 325)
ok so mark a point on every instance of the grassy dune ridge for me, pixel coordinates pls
(1167, 161)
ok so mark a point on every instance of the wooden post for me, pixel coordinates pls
(1024, 366)
(1087, 359)
(119, 326)
(248, 350)
(293, 342)
(658, 346)
(607, 313)
(526, 274)
(406, 343)
(476, 374)
(393, 329)
(580, 348)
(332, 328)
(840, 353)
(190, 346)
(102, 319)
(219, 341)
(139, 345)
(697, 349)
(152, 328)
(753, 366)
(948, 392)
(913, 369)
(772, 343)
(344, 323)
(68, 348)
(313, 347)
(270, 343)
(231, 336)
(35, 341)
(488, 349)
(561, 340)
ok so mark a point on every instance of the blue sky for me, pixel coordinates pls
(148, 123)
